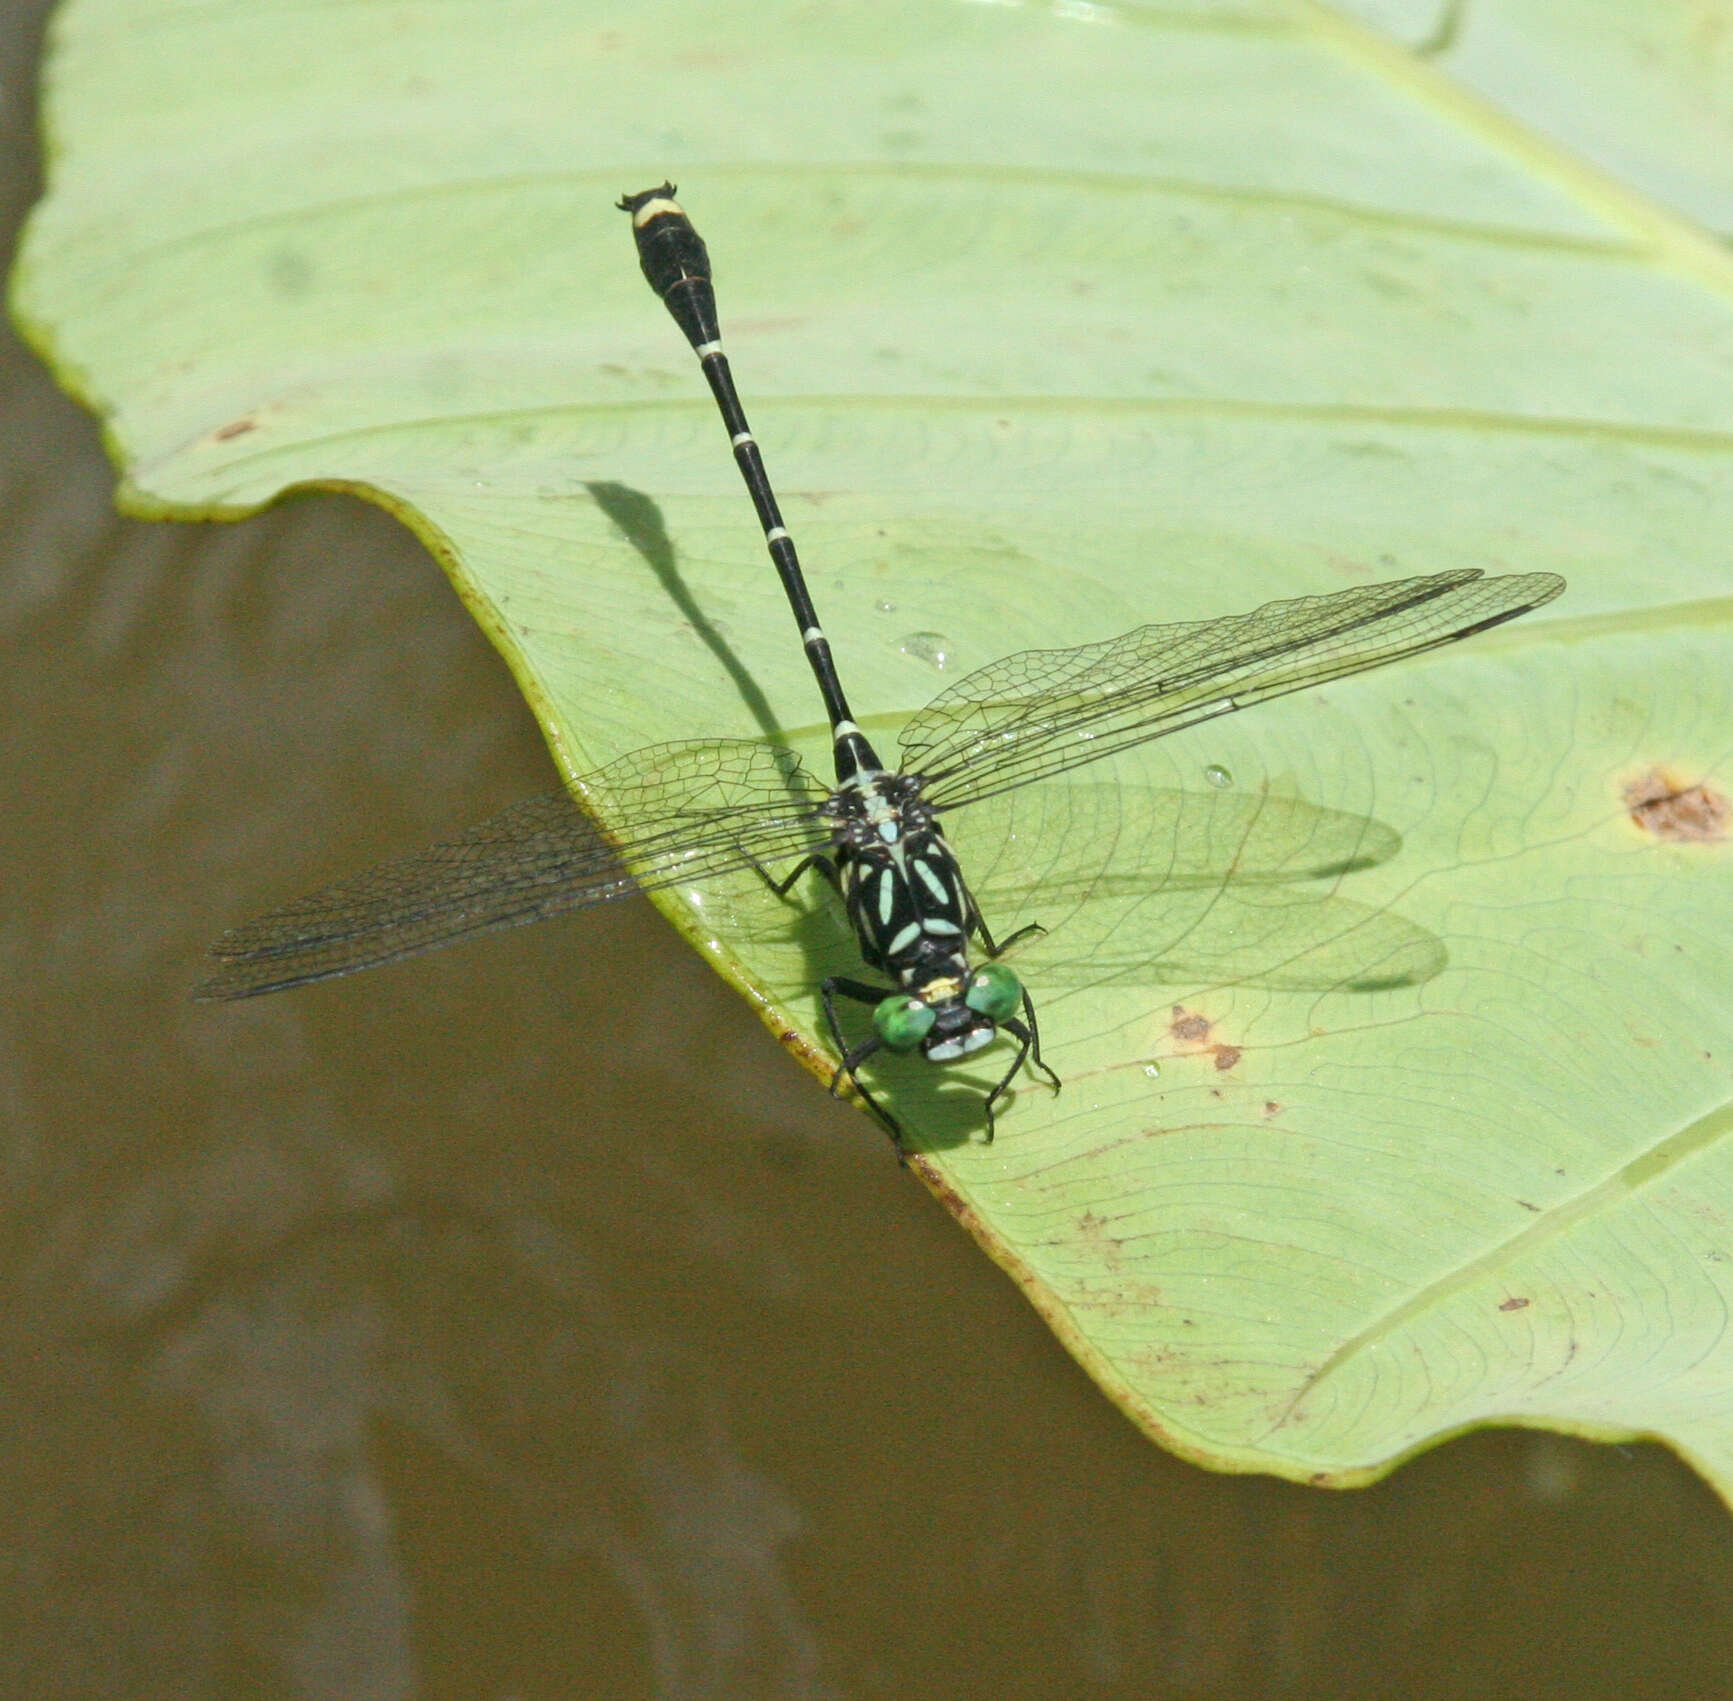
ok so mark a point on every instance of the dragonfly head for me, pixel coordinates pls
(950, 1017)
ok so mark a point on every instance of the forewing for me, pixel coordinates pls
(685, 811)
(1041, 712)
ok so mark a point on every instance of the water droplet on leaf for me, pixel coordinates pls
(934, 648)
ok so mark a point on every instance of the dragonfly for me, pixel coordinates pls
(691, 811)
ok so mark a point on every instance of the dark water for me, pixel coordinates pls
(520, 1323)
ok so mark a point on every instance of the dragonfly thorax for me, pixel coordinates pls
(913, 917)
(876, 807)
(911, 913)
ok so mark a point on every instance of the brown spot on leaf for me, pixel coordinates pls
(1095, 1231)
(1663, 804)
(1271, 1108)
(235, 428)
(1513, 1305)
(1189, 1026)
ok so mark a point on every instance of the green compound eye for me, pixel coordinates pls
(903, 1022)
(994, 992)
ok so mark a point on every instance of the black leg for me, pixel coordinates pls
(854, 1056)
(863, 992)
(1025, 1040)
(783, 887)
(1027, 932)
(994, 950)
(1028, 1038)
(1035, 1041)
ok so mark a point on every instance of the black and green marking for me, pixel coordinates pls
(911, 912)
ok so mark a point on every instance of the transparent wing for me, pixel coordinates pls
(1041, 712)
(685, 811)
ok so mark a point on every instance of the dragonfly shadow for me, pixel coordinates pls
(1157, 886)
(639, 521)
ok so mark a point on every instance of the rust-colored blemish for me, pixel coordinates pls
(1095, 1232)
(1513, 1305)
(1271, 1108)
(946, 1194)
(1665, 805)
(1189, 1026)
(235, 428)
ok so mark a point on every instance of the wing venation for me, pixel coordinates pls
(684, 811)
(1038, 713)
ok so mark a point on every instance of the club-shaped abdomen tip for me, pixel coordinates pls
(676, 265)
